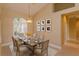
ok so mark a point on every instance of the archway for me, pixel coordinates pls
(70, 28)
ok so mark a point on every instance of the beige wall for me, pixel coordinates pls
(0, 25)
(0, 31)
(55, 36)
(43, 14)
(7, 24)
(47, 12)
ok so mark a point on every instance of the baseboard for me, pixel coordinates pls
(55, 46)
(6, 44)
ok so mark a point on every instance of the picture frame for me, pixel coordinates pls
(38, 28)
(42, 22)
(38, 22)
(48, 21)
(48, 28)
(42, 28)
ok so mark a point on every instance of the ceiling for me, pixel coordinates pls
(24, 7)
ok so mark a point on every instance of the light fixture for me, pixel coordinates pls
(29, 19)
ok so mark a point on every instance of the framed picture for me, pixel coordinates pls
(48, 21)
(42, 28)
(48, 28)
(38, 22)
(42, 22)
(38, 28)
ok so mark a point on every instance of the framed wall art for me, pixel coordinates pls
(44, 25)
(48, 21)
(48, 28)
(38, 28)
(38, 22)
(42, 22)
(42, 28)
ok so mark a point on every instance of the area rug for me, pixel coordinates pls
(52, 51)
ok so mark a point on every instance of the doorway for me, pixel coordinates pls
(70, 28)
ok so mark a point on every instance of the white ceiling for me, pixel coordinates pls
(24, 7)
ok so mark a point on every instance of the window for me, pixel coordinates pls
(19, 25)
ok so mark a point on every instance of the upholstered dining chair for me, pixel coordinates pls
(42, 48)
(13, 39)
(14, 44)
(20, 49)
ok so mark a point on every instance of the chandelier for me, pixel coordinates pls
(29, 18)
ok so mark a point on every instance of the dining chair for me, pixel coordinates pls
(22, 50)
(41, 49)
(13, 40)
(14, 44)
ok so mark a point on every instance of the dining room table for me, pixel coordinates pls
(31, 43)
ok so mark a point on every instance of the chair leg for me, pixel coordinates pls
(47, 52)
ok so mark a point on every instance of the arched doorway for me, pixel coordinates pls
(70, 29)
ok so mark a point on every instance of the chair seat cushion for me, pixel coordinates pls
(37, 51)
(24, 48)
(25, 51)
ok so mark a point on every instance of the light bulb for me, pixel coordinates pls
(29, 21)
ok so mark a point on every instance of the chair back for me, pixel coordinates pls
(45, 45)
(16, 43)
(13, 39)
(16, 46)
(44, 50)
